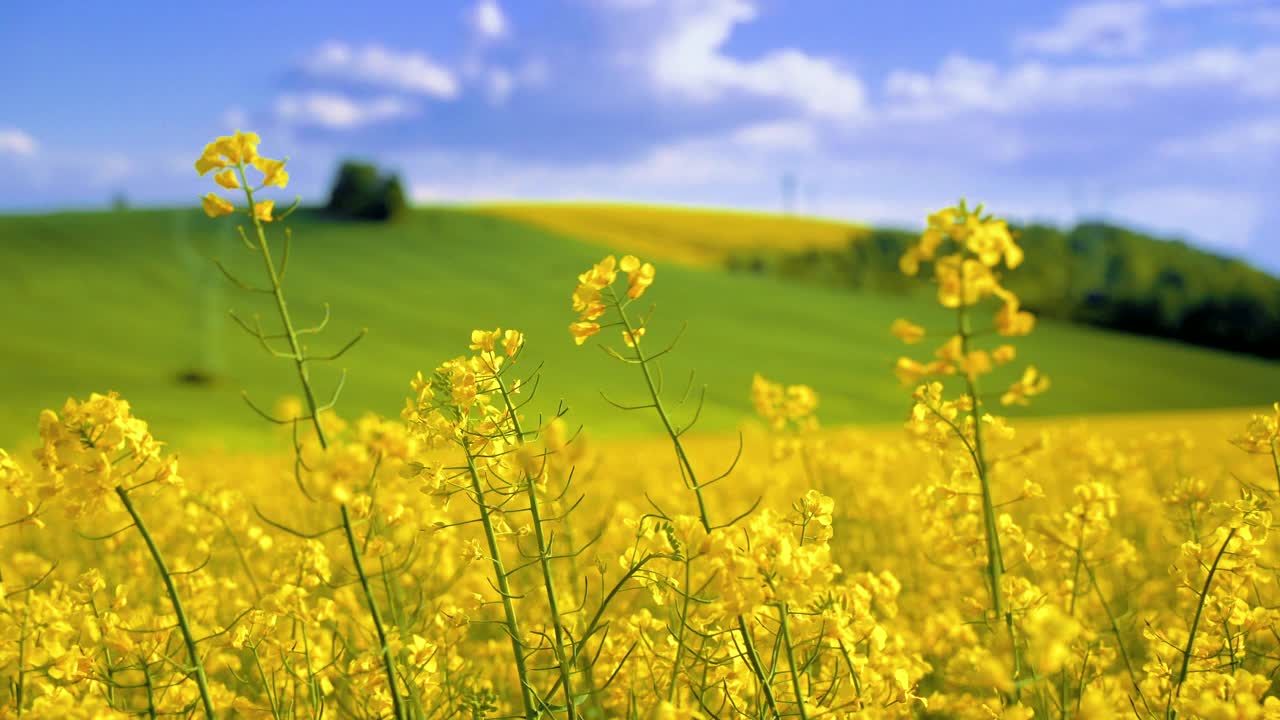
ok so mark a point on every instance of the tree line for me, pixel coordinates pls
(1094, 273)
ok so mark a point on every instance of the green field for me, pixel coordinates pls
(129, 301)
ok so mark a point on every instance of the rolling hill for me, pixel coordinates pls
(692, 236)
(130, 301)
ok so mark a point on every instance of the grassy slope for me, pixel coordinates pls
(98, 301)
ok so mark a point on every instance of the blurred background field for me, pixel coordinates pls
(131, 301)
(1134, 146)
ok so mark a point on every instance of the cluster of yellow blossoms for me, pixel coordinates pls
(590, 300)
(476, 559)
(894, 582)
(966, 276)
(89, 451)
(232, 155)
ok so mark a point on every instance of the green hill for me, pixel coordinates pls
(129, 301)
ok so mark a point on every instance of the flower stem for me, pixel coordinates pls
(995, 557)
(388, 664)
(544, 560)
(300, 363)
(504, 588)
(686, 468)
(791, 660)
(201, 680)
(1195, 621)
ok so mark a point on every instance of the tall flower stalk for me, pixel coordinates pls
(593, 299)
(967, 249)
(469, 404)
(233, 156)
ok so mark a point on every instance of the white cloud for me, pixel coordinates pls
(16, 142)
(1185, 4)
(235, 118)
(720, 169)
(735, 171)
(963, 83)
(501, 82)
(376, 65)
(1265, 17)
(112, 168)
(1256, 141)
(1225, 219)
(784, 135)
(488, 20)
(688, 60)
(338, 112)
(1103, 28)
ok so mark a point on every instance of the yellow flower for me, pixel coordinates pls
(484, 340)
(512, 342)
(601, 275)
(909, 263)
(273, 172)
(952, 350)
(977, 362)
(910, 372)
(907, 331)
(215, 206)
(262, 210)
(630, 338)
(1010, 320)
(992, 242)
(209, 159)
(583, 330)
(1051, 633)
(1262, 433)
(639, 276)
(227, 179)
(963, 282)
(238, 148)
(1031, 383)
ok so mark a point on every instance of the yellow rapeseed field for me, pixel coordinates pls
(690, 236)
(481, 557)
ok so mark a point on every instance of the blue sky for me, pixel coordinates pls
(1159, 113)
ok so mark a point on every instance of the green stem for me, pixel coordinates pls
(151, 696)
(1195, 621)
(22, 658)
(683, 457)
(544, 560)
(504, 588)
(388, 664)
(687, 468)
(277, 291)
(185, 626)
(995, 557)
(110, 691)
(791, 660)
(757, 667)
(1115, 630)
(1275, 456)
(300, 363)
(1075, 584)
(684, 623)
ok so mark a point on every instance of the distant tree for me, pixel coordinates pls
(361, 192)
